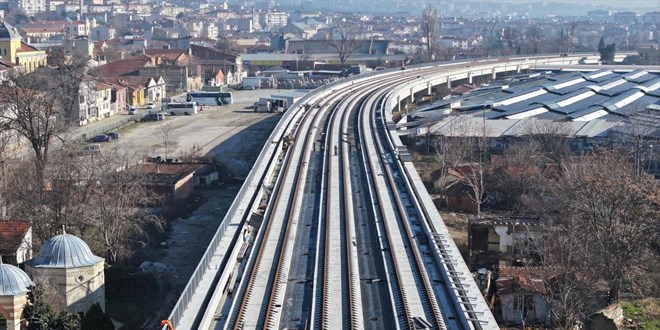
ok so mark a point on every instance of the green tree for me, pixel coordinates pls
(41, 317)
(601, 43)
(606, 51)
(95, 319)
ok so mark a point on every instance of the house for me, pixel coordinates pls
(501, 240)
(15, 241)
(81, 46)
(129, 66)
(522, 296)
(210, 60)
(118, 98)
(94, 101)
(459, 195)
(102, 33)
(175, 181)
(39, 33)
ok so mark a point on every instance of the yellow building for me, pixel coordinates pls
(14, 50)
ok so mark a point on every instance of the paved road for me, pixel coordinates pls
(233, 134)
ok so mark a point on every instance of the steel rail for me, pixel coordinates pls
(256, 270)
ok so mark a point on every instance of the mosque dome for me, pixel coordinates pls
(13, 280)
(64, 251)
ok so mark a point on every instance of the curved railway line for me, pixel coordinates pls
(334, 229)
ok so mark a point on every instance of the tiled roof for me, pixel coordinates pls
(122, 67)
(42, 29)
(25, 48)
(12, 233)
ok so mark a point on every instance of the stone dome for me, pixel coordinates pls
(64, 251)
(13, 281)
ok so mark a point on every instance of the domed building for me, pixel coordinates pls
(14, 285)
(70, 273)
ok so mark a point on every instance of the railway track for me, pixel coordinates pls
(337, 288)
(345, 234)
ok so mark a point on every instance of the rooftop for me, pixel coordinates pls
(64, 251)
(13, 281)
(12, 234)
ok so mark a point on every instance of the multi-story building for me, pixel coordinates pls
(210, 31)
(31, 7)
(274, 20)
(625, 17)
(651, 17)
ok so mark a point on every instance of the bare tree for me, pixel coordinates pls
(462, 147)
(534, 36)
(191, 154)
(56, 198)
(552, 139)
(611, 214)
(119, 214)
(166, 136)
(40, 106)
(429, 26)
(516, 174)
(31, 110)
(344, 41)
(511, 37)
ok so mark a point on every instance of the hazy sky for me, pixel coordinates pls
(651, 4)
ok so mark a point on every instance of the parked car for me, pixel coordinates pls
(90, 149)
(150, 105)
(100, 138)
(153, 117)
(113, 135)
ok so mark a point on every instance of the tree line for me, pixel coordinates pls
(91, 195)
(599, 212)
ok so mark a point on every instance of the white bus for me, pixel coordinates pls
(187, 108)
(210, 98)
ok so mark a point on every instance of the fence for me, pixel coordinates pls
(91, 131)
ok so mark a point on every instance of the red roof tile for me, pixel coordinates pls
(26, 48)
(12, 233)
(122, 67)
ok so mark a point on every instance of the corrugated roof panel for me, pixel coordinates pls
(595, 127)
(519, 98)
(643, 78)
(529, 113)
(575, 98)
(583, 104)
(569, 83)
(618, 89)
(636, 105)
(598, 76)
(652, 84)
(613, 83)
(635, 74)
(584, 111)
